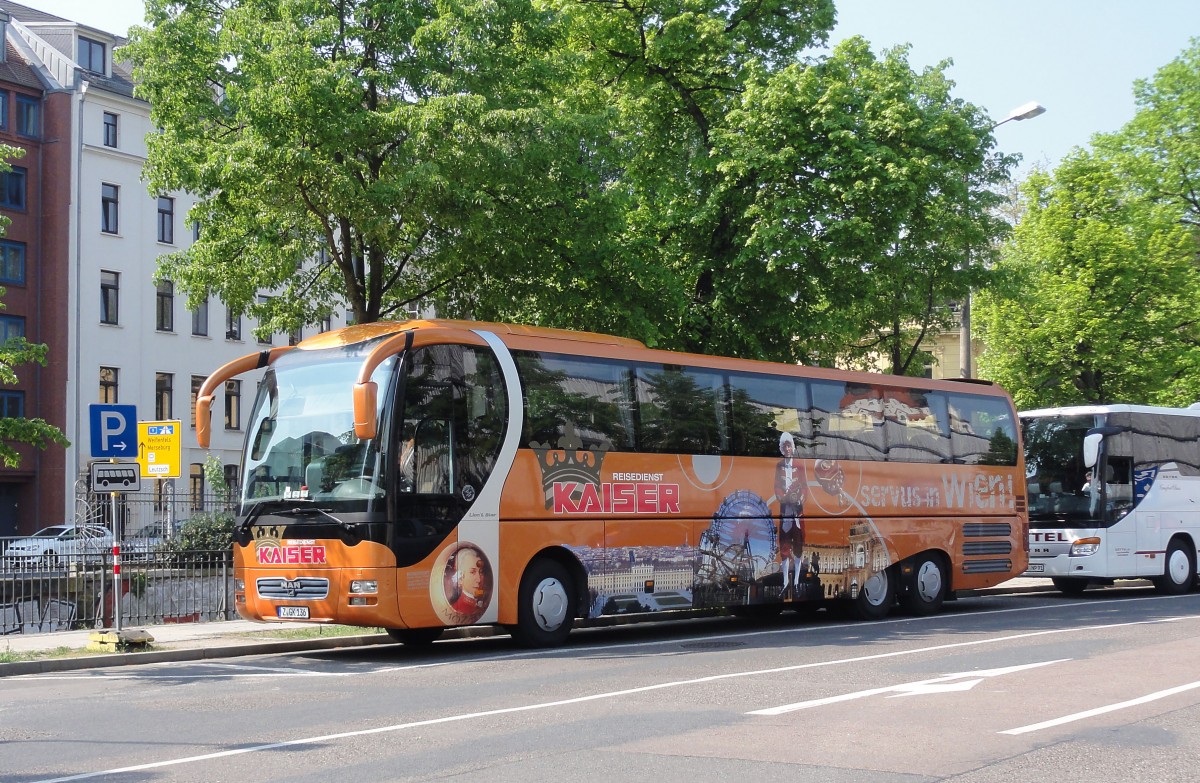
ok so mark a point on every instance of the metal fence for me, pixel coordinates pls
(155, 587)
(73, 586)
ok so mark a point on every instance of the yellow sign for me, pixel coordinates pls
(159, 448)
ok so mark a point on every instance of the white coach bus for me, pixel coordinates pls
(1114, 493)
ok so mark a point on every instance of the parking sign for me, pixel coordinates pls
(114, 430)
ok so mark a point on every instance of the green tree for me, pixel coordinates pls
(14, 353)
(686, 174)
(779, 205)
(362, 154)
(1098, 303)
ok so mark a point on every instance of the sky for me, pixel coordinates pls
(1077, 58)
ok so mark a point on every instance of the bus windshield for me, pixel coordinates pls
(301, 442)
(1059, 489)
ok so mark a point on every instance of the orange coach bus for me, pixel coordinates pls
(426, 474)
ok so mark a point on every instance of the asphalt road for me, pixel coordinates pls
(998, 688)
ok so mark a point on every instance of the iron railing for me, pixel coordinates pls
(157, 585)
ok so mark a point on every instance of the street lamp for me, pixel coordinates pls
(1024, 112)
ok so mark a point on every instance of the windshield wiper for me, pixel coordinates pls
(309, 511)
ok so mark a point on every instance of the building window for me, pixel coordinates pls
(108, 385)
(110, 130)
(12, 262)
(296, 336)
(231, 479)
(166, 220)
(108, 207)
(200, 319)
(164, 387)
(165, 307)
(29, 117)
(196, 482)
(110, 290)
(195, 230)
(91, 55)
(326, 324)
(233, 325)
(11, 326)
(12, 188)
(12, 404)
(197, 382)
(3, 111)
(233, 405)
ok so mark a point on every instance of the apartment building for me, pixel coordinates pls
(90, 234)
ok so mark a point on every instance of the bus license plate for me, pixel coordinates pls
(292, 612)
(1034, 568)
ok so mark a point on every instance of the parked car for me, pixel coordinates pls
(55, 546)
(143, 544)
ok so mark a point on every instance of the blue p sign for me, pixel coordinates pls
(114, 430)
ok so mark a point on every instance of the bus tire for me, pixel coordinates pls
(1179, 570)
(415, 637)
(876, 597)
(546, 608)
(1070, 585)
(925, 588)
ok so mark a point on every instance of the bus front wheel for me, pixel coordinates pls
(415, 637)
(876, 597)
(1070, 585)
(925, 587)
(546, 609)
(1179, 571)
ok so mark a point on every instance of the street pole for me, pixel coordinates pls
(1025, 112)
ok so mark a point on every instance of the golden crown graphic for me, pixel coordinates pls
(568, 462)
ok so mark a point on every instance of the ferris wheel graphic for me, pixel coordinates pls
(741, 541)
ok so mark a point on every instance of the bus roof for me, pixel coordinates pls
(1086, 410)
(535, 338)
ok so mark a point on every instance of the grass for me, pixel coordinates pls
(312, 632)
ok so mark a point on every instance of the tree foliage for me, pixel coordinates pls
(1102, 278)
(15, 352)
(695, 175)
(1099, 299)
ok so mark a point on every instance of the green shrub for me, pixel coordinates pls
(206, 531)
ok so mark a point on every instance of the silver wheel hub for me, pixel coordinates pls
(1178, 567)
(875, 589)
(929, 581)
(550, 604)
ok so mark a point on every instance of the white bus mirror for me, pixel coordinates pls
(1091, 448)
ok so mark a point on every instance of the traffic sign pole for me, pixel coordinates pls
(116, 562)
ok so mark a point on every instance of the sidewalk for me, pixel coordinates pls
(225, 639)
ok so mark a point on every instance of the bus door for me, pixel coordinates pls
(452, 414)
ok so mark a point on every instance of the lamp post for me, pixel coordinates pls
(1025, 112)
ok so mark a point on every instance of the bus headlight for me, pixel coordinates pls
(1084, 547)
(364, 586)
(239, 585)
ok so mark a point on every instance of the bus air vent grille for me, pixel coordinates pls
(987, 530)
(306, 587)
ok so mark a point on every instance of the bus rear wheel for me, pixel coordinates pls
(925, 588)
(1179, 572)
(415, 637)
(876, 597)
(546, 608)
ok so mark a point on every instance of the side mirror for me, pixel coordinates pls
(1091, 448)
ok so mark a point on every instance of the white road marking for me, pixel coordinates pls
(591, 698)
(941, 684)
(1149, 697)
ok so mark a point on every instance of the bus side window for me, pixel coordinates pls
(431, 458)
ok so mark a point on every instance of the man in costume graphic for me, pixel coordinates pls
(789, 491)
